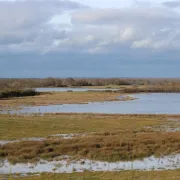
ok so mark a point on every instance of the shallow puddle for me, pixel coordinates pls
(68, 166)
(63, 136)
(3, 142)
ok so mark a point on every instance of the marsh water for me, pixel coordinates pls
(73, 89)
(68, 166)
(155, 103)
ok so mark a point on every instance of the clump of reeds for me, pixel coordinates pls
(107, 147)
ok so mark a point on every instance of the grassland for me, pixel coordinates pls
(115, 137)
(126, 175)
(16, 127)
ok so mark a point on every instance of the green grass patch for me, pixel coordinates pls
(16, 127)
(126, 175)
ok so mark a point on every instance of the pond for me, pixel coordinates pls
(73, 89)
(157, 103)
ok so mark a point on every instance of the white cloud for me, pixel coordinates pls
(145, 43)
(128, 34)
(62, 25)
(106, 3)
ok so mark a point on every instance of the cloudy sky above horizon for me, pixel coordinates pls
(89, 38)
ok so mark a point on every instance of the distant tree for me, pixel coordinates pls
(70, 82)
(82, 82)
(58, 83)
(14, 85)
(49, 82)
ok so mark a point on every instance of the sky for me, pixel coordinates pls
(89, 38)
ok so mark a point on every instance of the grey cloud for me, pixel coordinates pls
(153, 16)
(26, 14)
(172, 4)
(145, 27)
(26, 22)
(27, 26)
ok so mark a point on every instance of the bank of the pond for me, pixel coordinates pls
(122, 175)
(56, 98)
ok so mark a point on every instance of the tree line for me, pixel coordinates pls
(79, 82)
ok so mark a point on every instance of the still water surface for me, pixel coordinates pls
(157, 103)
(66, 166)
(72, 89)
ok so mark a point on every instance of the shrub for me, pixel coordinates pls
(17, 93)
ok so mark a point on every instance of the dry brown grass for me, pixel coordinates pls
(61, 98)
(104, 146)
(152, 89)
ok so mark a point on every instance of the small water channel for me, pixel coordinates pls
(73, 89)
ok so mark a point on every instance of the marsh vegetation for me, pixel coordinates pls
(54, 98)
(114, 137)
(126, 175)
(97, 137)
(10, 93)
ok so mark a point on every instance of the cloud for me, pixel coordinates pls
(137, 15)
(172, 4)
(25, 25)
(128, 34)
(44, 26)
(141, 43)
(135, 27)
(65, 38)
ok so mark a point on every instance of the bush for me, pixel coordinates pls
(17, 93)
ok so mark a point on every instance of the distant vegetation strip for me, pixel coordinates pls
(61, 82)
(127, 85)
(153, 89)
(17, 93)
(78, 82)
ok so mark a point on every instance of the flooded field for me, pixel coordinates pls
(156, 103)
